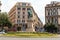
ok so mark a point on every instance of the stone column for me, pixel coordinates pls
(30, 26)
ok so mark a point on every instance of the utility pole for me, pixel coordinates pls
(0, 6)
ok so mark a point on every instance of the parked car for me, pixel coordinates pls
(2, 32)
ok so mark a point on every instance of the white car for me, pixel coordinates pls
(2, 32)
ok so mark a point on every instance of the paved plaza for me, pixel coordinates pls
(15, 38)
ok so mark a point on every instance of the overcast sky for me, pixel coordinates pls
(38, 5)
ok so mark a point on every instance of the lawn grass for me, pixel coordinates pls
(29, 34)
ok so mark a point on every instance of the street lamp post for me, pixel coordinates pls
(0, 6)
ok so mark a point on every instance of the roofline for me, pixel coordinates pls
(15, 5)
(37, 15)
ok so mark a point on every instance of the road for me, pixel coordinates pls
(15, 38)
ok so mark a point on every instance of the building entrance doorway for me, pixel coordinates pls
(24, 27)
(18, 28)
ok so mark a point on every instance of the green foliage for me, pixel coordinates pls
(4, 20)
(29, 34)
(50, 28)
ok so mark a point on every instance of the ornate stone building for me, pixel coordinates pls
(52, 13)
(24, 17)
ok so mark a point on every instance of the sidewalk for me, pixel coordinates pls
(58, 35)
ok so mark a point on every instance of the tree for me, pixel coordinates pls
(4, 20)
(50, 28)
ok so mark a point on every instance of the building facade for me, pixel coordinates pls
(23, 16)
(52, 13)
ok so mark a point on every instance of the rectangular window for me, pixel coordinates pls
(49, 12)
(23, 4)
(18, 8)
(18, 21)
(23, 8)
(23, 12)
(23, 21)
(18, 16)
(48, 21)
(52, 19)
(28, 9)
(23, 16)
(28, 4)
(18, 12)
(56, 21)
